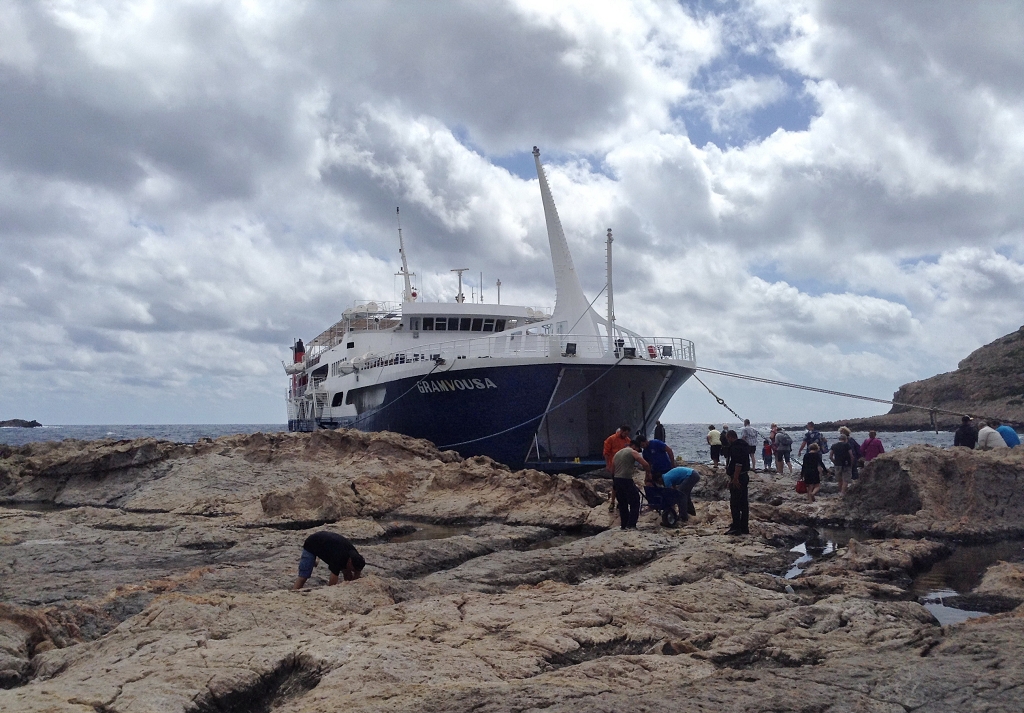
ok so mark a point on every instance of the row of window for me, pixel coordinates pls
(458, 324)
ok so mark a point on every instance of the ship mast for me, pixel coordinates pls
(408, 294)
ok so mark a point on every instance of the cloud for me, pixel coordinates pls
(810, 191)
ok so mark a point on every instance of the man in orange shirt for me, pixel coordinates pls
(612, 445)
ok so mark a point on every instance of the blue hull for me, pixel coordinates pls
(499, 411)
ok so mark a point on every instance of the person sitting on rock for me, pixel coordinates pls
(967, 435)
(682, 480)
(336, 551)
(989, 439)
(1009, 435)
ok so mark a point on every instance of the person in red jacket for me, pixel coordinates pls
(612, 445)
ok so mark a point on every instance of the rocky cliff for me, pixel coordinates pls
(989, 383)
(147, 576)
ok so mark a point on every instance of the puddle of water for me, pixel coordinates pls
(958, 574)
(556, 541)
(947, 615)
(962, 571)
(827, 542)
(426, 531)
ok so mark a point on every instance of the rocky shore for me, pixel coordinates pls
(20, 423)
(152, 576)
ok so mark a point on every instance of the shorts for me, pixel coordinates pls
(782, 456)
(844, 473)
(306, 564)
(716, 452)
(752, 447)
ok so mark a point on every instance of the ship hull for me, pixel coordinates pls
(499, 411)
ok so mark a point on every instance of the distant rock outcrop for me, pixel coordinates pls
(19, 423)
(988, 383)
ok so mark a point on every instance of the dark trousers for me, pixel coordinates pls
(628, 498)
(685, 502)
(739, 504)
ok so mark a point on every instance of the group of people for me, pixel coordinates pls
(992, 435)
(623, 454)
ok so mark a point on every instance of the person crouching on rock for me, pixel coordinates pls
(683, 479)
(337, 553)
(623, 486)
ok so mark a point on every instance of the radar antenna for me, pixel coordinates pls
(409, 294)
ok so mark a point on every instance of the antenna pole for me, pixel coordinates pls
(481, 288)
(407, 294)
(460, 298)
(499, 291)
(611, 299)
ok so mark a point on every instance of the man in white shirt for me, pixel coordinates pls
(749, 434)
(989, 439)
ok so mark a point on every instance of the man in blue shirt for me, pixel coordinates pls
(1009, 435)
(813, 435)
(682, 481)
(659, 455)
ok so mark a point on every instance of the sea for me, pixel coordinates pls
(686, 439)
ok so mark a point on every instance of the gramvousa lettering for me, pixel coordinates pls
(435, 385)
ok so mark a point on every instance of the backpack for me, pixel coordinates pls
(854, 449)
(784, 440)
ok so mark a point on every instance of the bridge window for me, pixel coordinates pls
(499, 325)
(336, 400)
(453, 324)
(478, 324)
(428, 324)
(414, 324)
(350, 345)
(488, 325)
(440, 324)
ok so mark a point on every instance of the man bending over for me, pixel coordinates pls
(337, 553)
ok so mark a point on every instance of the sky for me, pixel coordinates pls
(823, 193)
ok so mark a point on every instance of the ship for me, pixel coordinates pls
(527, 387)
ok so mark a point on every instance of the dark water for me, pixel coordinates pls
(426, 531)
(177, 432)
(686, 439)
(959, 573)
(689, 439)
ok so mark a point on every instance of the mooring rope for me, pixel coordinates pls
(775, 382)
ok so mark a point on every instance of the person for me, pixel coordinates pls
(1009, 435)
(682, 479)
(989, 439)
(612, 445)
(658, 455)
(966, 435)
(738, 467)
(659, 431)
(813, 435)
(783, 447)
(338, 554)
(840, 455)
(811, 471)
(623, 486)
(714, 439)
(854, 451)
(767, 454)
(749, 434)
(871, 448)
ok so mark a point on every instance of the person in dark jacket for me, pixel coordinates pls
(336, 551)
(811, 471)
(738, 468)
(659, 431)
(966, 435)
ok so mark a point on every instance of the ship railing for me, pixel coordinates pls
(543, 345)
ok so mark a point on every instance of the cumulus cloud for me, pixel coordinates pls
(810, 191)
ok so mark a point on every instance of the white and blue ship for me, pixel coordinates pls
(522, 386)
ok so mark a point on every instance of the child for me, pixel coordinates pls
(766, 455)
(812, 470)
